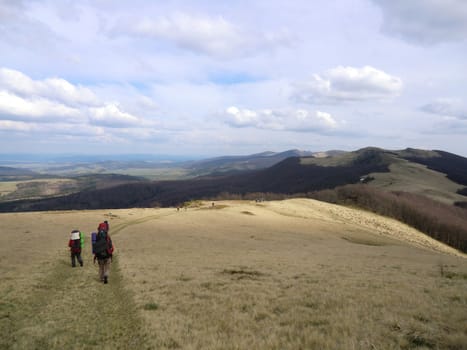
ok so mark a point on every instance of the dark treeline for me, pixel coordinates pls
(452, 165)
(443, 222)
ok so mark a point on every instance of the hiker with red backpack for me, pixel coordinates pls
(76, 243)
(103, 226)
(103, 250)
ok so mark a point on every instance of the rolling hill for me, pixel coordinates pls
(159, 167)
(387, 169)
(234, 164)
(7, 173)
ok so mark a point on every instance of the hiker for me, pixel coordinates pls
(103, 250)
(76, 243)
(103, 226)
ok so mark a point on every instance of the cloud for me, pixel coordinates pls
(207, 35)
(57, 100)
(54, 89)
(20, 29)
(447, 107)
(299, 120)
(9, 125)
(111, 116)
(425, 22)
(343, 84)
(38, 109)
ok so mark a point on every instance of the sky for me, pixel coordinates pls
(210, 78)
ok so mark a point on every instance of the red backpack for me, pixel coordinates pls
(76, 246)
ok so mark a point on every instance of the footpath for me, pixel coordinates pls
(69, 308)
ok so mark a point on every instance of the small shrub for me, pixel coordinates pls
(192, 204)
(151, 306)
(247, 213)
(184, 278)
(242, 273)
(172, 344)
(419, 340)
(462, 205)
(260, 317)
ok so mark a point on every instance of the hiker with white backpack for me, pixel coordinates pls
(76, 244)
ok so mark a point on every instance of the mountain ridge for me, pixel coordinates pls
(290, 176)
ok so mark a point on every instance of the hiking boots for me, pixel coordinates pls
(105, 280)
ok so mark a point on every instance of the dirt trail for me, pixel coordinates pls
(78, 310)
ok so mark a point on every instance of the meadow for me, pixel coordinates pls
(293, 274)
(38, 188)
(429, 183)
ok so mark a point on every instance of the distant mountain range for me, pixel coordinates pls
(439, 174)
(234, 164)
(72, 166)
(10, 171)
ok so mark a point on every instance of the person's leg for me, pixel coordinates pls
(101, 263)
(73, 263)
(106, 270)
(80, 259)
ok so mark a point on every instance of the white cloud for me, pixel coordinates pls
(208, 35)
(110, 115)
(425, 22)
(56, 100)
(52, 88)
(87, 132)
(342, 84)
(39, 109)
(299, 120)
(447, 107)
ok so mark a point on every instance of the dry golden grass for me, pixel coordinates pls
(44, 303)
(429, 183)
(338, 160)
(7, 187)
(33, 188)
(295, 274)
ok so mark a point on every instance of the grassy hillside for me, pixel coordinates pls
(237, 275)
(39, 188)
(434, 174)
(416, 178)
(443, 222)
(451, 164)
(236, 164)
(43, 186)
